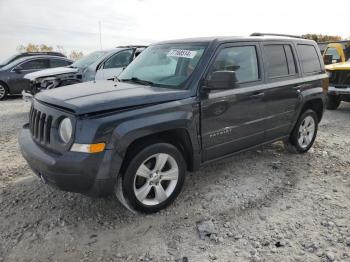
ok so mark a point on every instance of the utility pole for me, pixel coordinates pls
(99, 26)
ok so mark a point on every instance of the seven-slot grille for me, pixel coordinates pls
(40, 125)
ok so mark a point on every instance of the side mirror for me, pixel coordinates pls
(222, 80)
(17, 69)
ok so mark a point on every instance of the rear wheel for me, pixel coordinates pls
(304, 133)
(333, 102)
(154, 177)
(3, 91)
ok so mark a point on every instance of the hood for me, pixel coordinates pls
(50, 72)
(339, 66)
(97, 96)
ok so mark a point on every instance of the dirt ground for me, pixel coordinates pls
(263, 205)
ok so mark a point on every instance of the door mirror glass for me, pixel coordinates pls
(17, 69)
(221, 80)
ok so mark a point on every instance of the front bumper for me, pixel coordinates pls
(27, 96)
(91, 174)
(344, 90)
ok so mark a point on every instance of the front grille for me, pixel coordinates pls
(40, 126)
(340, 77)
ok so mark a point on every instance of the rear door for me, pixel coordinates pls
(114, 65)
(234, 119)
(16, 81)
(283, 87)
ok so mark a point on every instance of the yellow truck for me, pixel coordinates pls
(337, 60)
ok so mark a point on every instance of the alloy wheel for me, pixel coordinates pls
(306, 132)
(2, 91)
(156, 179)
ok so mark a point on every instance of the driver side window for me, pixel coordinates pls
(241, 59)
(334, 53)
(120, 59)
(35, 64)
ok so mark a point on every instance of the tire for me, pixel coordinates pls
(3, 91)
(304, 133)
(154, 177)
(333, 102)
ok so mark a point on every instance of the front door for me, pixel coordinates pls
(234, 119)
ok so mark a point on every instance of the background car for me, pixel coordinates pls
(11, 75)
(24, 54)
(99, 65)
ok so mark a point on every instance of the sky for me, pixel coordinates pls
(75, 24)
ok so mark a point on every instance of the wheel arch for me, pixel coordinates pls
(316, 104)
(178, 137)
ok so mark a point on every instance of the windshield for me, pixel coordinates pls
(8, 60)
(168, 65)
(88, 60)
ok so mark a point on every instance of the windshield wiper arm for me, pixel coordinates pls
(139, 81)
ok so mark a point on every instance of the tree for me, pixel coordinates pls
(34, 48)
(76, 55)
(322, 38)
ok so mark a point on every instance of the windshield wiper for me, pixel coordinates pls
(139, 81)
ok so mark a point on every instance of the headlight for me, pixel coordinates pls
(329, 73)
(65, 130)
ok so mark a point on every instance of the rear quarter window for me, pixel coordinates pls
(309, 59)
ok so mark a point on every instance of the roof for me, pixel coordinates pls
(235, 39)
(40, 56)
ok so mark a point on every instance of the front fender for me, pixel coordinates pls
(131, 130)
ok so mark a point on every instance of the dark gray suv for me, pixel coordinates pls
(180, 105)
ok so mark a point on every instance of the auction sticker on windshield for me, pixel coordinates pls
(182, 53)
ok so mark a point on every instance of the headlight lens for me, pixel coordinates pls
(65, 130)
(329, 73)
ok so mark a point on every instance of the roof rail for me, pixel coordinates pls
(129, 46)
(269, 34)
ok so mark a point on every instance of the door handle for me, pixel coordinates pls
(257, 95)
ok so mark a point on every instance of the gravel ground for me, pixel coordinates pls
(263, 205)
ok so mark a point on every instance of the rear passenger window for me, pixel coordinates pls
(309, 59)
(241, 59)
(59, 62)
(280, 60)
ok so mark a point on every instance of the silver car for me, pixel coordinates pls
(99, 65)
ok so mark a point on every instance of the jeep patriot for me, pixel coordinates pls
(180, 105)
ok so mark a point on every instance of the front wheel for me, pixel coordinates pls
(154, 177)
(333, 102)
(3, 91)
(304, 133)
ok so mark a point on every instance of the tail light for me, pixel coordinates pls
(325, 85)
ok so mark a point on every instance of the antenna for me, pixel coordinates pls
(99, 26)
